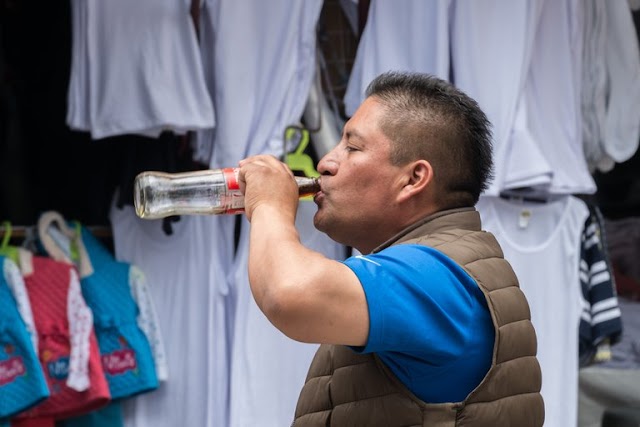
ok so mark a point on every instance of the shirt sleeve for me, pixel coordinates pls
(419, 301)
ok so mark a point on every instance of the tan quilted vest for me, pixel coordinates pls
(347, 389)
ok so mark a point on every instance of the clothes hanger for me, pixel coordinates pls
(298, 160)
(54, 233)
(527, 194)
(11, 252)
(54, 219)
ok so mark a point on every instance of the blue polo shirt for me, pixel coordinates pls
(428, 321)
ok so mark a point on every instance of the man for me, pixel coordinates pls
(428, 327)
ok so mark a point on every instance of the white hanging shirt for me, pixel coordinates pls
(491, 47)
(259, 58)
(136, 69)
(186, 274)
(542, 244)
(412, 35)
(622, 123)
(553, 103)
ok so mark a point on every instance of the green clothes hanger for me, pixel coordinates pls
(11, 252)
(299, 160)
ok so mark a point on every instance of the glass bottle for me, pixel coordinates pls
(206, 192)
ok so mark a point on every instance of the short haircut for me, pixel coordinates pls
(429, 118)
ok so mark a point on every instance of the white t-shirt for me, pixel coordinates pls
(136, 69)
(259, 59)
(542, 243)
(187, 277)
(552, 100)
(412, 35)
(491, 47)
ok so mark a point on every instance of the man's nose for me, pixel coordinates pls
(327, 164)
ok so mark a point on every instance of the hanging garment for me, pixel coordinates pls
(136, 69)
(551, 96)
(125, 352)
(413, 36)
(67, 346)
(22, 383)
(594, 85)
(600, 320)
(187, 274)
(622, 122)
(491, 49)
(542, 243)
(259, 59)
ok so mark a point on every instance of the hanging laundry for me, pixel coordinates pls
(67, 345)
(412, 37)
(125, 351)
(22, 382)
(610, 84)
(600, 321)
(187, 278)
(136, 69)
(542, 243)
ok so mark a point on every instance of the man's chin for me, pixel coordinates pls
(317, 222)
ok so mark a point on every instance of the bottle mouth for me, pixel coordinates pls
(139, 196)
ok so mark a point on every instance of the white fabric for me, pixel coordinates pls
(80, 328)
(491, 48)
(594, 81)
(187, 279)
(412, 35)
(136, 69)
(268, 369)
(542, 243)
(148, 320)
(78, 116)
(610, 84)
(260, 61)
(552, 98)
(622, 124)
(16, 284)
(259, 58)
(534, 170)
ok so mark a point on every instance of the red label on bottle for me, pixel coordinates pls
(231, 177)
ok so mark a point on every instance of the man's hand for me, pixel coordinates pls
(268, 183)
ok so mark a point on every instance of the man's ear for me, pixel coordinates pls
(419, 179)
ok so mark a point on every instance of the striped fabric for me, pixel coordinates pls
(600, 320)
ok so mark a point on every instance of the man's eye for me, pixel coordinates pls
(349, 148)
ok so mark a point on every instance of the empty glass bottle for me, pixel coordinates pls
(206, 192)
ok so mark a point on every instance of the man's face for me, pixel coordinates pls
(359, 183)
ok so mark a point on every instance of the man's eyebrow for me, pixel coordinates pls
(352, 134)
